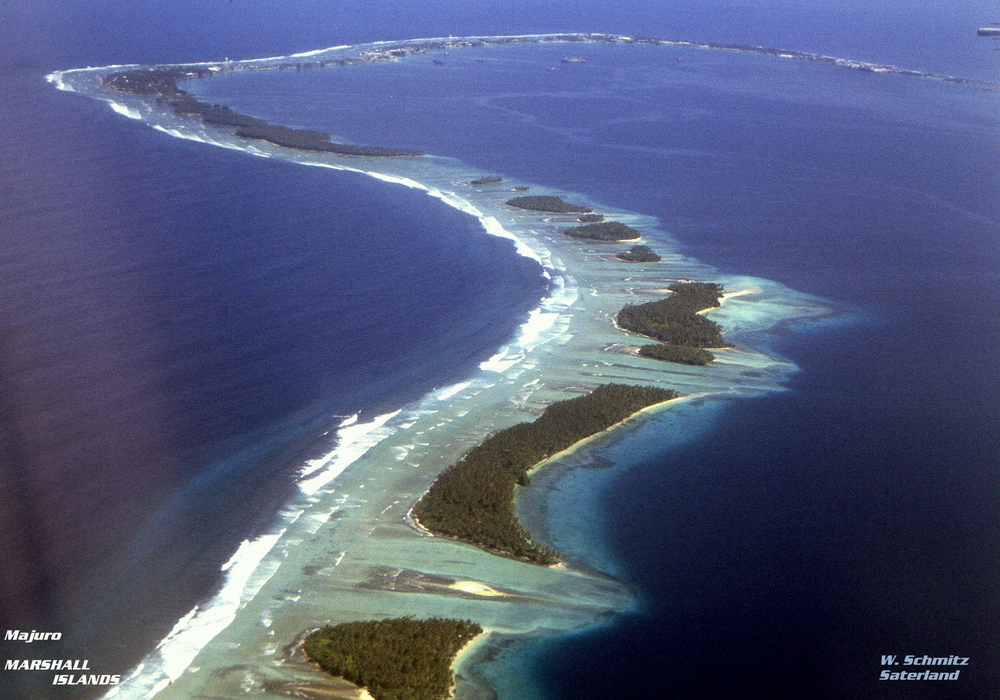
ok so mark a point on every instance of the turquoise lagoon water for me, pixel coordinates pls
(791, 526)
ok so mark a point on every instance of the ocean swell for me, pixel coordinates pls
(583, 293)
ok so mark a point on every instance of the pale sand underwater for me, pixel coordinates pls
(345, 549)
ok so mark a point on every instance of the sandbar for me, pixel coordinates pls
(344, 549)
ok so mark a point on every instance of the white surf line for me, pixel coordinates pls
(252, 566)
(247, 571)
(244, 577)
(373, 51)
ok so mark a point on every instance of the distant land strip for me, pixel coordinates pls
(397, 50)
(160, 82)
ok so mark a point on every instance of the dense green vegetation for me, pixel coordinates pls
(675, 319)
(486, 180)
(677, 353)
(604, 231)
(253, 128)
(591, 218)
(397, 659)
(546, 203)
(473, 500)
(639, 253)
(152, 81)
(163, 82)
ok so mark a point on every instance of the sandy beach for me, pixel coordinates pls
(346, 550)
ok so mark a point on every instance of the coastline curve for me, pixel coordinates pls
(352, 508)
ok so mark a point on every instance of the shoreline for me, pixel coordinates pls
(455, 502)
(464, 662)
(590, 439)
(354, 523)
(395, 50)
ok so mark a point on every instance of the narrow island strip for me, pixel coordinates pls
(547, 203)
(487, 180)
(161, 83)
(473, 500)
(396, 659)
(675, 321)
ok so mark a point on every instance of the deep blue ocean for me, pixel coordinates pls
(178, 323)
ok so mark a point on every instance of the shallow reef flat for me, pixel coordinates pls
(345, 549)
(353, 554)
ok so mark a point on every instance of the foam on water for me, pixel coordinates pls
(192, 136)
(245, 574)
(314, 465)
(448, 392)
(255, 562)
(57, 80)
(354, 440)
(126, 111)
